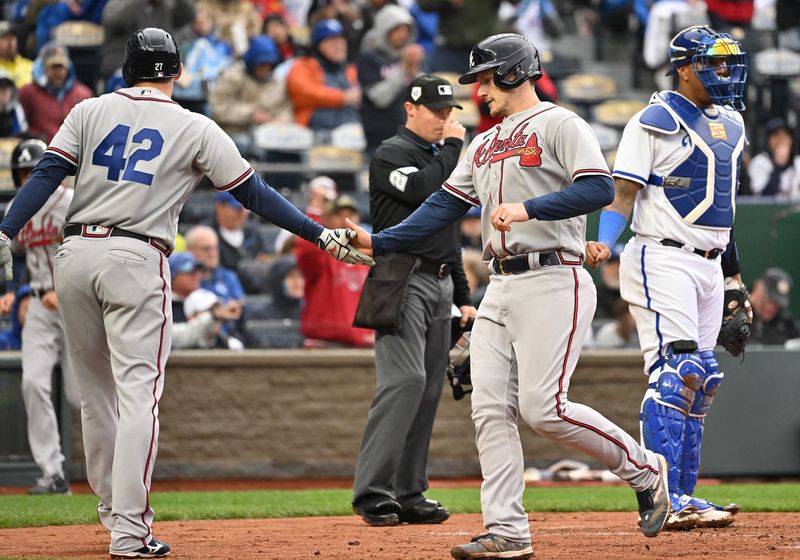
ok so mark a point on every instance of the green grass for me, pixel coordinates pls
(30, 511)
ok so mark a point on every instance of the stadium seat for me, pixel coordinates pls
(330, 158)
(257, 307)
(84, 41)
(617, 112)
(283, 137)
(199, 209)
(607, 136)
(272, 334)
(253, 274)
(7, 190)
(589, 88)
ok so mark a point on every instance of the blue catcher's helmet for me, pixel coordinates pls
(704, 48)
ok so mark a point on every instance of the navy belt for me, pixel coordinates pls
(440, 270)
(517, 264)
(38, 293)
(84, 230)
(711, 254)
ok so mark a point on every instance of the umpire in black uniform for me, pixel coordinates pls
(408, 299)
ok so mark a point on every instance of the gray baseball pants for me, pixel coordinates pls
(115, 298)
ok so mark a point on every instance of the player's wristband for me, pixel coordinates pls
(612, 224)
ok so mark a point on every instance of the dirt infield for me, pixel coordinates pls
(587, 536)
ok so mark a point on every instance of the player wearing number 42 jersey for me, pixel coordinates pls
(677, 168)
(137, 156)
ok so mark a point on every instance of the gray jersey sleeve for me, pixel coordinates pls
(67, 141)
(578, 150)
(219, 159)
(460, 183)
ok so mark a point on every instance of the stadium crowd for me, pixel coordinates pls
(308, 89)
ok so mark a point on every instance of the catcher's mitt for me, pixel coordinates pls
(458, 370)
(736, 318)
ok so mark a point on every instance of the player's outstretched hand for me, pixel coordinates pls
(597, 253)
(336, 242)
(6, 259)
(50, 300)
(361, 240)
(506, 214)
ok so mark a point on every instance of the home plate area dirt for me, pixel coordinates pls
(582, 536)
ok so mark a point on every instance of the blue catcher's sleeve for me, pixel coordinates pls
(611, 226)
(265, 201)
(438, 211)
(730, 258)
(42, 183)
(587, 194)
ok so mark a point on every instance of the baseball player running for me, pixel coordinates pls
(137, 156)
(678, 167)
(42, 334)
(535, 176)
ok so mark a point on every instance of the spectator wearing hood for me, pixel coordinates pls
(18, 68)
(249, 95)
(332, 288)
(388, 62)
(287, 286)
(204, 56)
(54, 92)
(12, 115)
(776, 170)
(323, 87)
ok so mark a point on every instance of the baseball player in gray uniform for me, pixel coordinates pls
(137, 156)
(42, 334)
(541, 170)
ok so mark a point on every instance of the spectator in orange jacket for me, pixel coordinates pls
(332, 289)
(323, 87)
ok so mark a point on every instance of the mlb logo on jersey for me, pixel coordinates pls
(718, 131)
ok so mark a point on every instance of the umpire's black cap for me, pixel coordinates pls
(432, 91)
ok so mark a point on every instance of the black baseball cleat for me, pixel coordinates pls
(379, 512)
(55, 484)
(420, 510)
(154, 549)
(654, 504)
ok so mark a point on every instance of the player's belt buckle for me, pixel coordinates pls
(444, 270)
(501, 266)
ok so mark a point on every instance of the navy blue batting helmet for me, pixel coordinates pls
(150, 54)
(513, 58)
(26, 155)
(718, 62)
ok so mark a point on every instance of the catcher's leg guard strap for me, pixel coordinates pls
(693, 434)
(710, 382)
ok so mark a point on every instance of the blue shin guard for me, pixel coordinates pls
(666, 406)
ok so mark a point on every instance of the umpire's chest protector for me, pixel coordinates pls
(701, 188)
